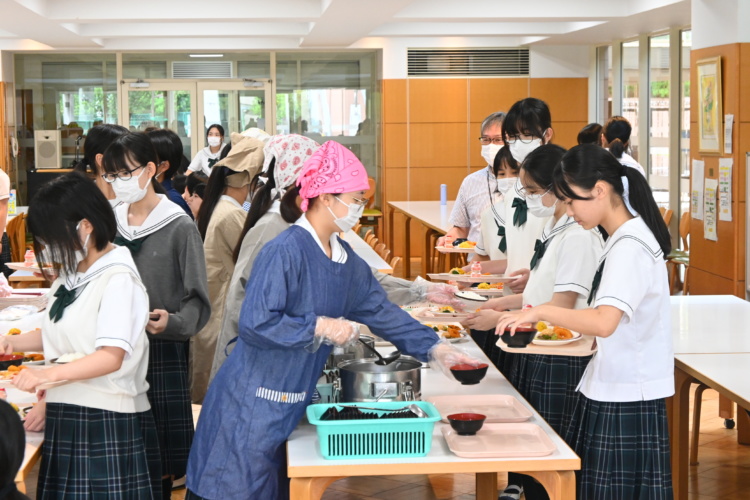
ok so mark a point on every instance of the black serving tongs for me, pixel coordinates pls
(382, 360)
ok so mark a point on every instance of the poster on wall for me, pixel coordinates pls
(728, 126)
(709, 210)
(725, 188)
(696, 193)
(709, 105)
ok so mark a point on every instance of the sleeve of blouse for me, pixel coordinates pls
(264, 321)
(460, 215)
(398, 290)
(123, 314)
(625, 279)
(195, 307)
(577, 260)
(196, 165)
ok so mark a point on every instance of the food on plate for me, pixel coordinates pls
(489, 286)
(541, 326)
(483, 286)
(466, 244)
(457, 270)
(446, 309)
(71, 356)
(453, 332)
(14, 331)
(554, 333)
(562, 333)
(33, 356)
(11, 372)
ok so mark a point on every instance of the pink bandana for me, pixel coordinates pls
(332, 169)
(290, 152)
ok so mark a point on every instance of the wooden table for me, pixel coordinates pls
(26, 279)
(431, 214)
(31, 456)
(311, 474)
(368, 254)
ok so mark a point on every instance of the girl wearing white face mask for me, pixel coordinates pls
(168, 251)
(479, 190)
(562, 269)
(220, 222)
(98, 307)
(209, 156)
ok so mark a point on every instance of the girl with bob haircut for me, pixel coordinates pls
(168, 252)
(98, 307)
(207, 157)
(97, 140)
(169, 148)
(619, 425)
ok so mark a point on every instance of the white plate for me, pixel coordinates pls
(576, 337)
(467, 278)
(20, 266)
(487, 292)
(455, 250)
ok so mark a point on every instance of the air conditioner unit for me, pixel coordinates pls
(47, 148)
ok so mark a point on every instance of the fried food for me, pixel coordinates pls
(562, 333)
(541, 326)
(457, 270)
(14, 331)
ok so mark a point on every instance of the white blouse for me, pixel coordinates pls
(337, 251)
(636, 362)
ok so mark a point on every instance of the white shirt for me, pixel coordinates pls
(201, 160)
(488, 242)
(636, 362)
(520, 239)
(110, 310)
(629, 161)
(477, 192)
(568, 264)
(337, 251)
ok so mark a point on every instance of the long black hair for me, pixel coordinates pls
(56, 210)
(617, 131)
(586, 164)
(530, 116)
(169, 148)
(136, 147)
(540, 164)
(12, 448)
(590, 134)
(214, 189)
(97, 140)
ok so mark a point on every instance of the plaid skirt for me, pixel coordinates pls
(169, 395)
(624, 450)
(98, 454)
(485, 339)
(549, 384)
(5, 256)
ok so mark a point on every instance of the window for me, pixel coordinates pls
(658, 147)
(604, 83)
(630, 92)
(686, 43)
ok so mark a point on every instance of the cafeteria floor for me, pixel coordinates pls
(723, 472)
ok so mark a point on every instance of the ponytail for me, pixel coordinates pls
(584, 165)
(214, 189)
(617, 132)
(617, 148)
(261, 203)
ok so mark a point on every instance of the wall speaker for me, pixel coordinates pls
(47, 148)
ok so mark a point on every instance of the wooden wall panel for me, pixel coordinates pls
(567, 98)
(475, 147)
(5, 162)
(425, 182)
(744, 81)
(394, 101)
(703, 283)
(442, 144)
(488, 95)
(394, 145)
(566, 133)
(438, 100)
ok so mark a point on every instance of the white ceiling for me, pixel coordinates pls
(287, 24)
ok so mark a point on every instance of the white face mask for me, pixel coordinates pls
(130, 191)
(214, 141)
(520, 150)
(537, 207)
(489, 151)
(80, 255)
(505, 183)
(351, 219)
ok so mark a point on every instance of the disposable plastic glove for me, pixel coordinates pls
(5, 288)
(443, 293)
(333, 331)
(444, 355)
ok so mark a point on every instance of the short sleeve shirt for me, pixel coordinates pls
(477, 192)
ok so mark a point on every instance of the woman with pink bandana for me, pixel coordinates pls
(306, 290)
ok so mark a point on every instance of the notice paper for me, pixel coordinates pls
(728, 124)
(709, 210)
(725, 188)
(696, 191)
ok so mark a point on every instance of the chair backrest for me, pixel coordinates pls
(394, 262)
(370, 234)
(685, 230)
(386, 253)
(666, 213)
(16, 230)
(373, 242)
(379, 248)
(370, 193)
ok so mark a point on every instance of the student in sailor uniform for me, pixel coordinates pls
(305, 286)
(168, 251)
(616, 138)
(562, 269)
(619, 427)
(100, 439)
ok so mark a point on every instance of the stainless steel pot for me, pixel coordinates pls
(361, 380)
(349, 352)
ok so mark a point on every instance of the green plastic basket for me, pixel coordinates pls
(383, 438)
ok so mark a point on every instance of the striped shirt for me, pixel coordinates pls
(477, 192)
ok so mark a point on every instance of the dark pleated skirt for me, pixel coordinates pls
(98, 454)
(624, 450)
(169, 395)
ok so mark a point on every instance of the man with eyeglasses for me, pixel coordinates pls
(478, 190)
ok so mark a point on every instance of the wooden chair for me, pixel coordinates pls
(386, 253)
(370, 234)
(394, 262)
(357, 228)
(379, 248)
(677, 258)
(16, 230)
(666, 214)
(372, 216)
(373, 242)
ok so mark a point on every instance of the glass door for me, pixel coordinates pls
(234, 106)
(161, 105)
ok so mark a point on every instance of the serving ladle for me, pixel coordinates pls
(382, 361)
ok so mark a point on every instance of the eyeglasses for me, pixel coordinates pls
(120, 174)
(491, 140)
(532, 196)
(362, 202)
(525, 139)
